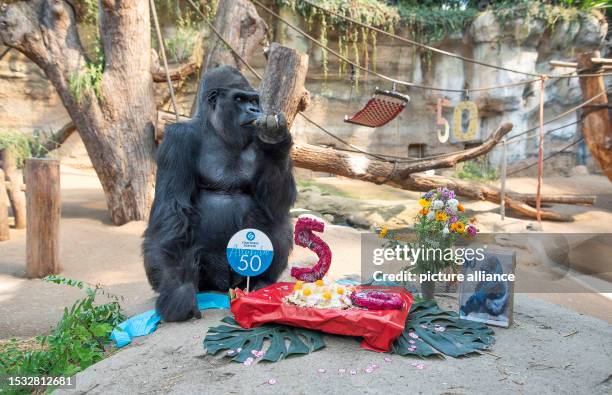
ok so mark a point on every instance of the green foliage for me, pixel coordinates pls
(232, 337)
(353, 41)
(90, 78)
(431, 21)
(458, 337)
(23, 146)
(180, 47)
(477, 170)
(90, 11)
(79, 340)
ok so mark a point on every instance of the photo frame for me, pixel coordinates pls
(491, 302)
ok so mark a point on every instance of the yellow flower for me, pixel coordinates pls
(423, 202)
(327, 295)
(383, 232)
(340, 291)
(441, 216)
(319, 282)
(298, 285)
(306, 292)
(460, 227)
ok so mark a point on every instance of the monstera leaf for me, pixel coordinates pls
(241, 343)
(431, 331)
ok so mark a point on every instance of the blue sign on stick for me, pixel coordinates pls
(250, 252)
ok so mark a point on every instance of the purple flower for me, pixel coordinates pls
(471, 230)
(451, 194)
(453, 219)
(428, 195)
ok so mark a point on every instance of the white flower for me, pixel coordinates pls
(437, 204)
(445, 230)
(452, 203)
(431, 214)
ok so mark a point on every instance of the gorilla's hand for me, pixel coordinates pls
(272, 129)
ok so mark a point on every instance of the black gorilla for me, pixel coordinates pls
(218, 173)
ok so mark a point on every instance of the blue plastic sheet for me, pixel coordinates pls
(145, 323)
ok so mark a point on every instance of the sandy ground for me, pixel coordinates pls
(93, 250)
(549, 350)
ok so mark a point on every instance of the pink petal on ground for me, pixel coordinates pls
(321, 370)
(341, 370)
(231, 352)
(272, 381)
(414, 363)
(248, 361)
(353, 372)
(369, 370)
(411, 341)
(375, 366)
(440, 329)
(423, 326)
(413, 335)
(387, 359)
(420, 366)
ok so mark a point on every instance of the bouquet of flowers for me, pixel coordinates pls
(439, 223)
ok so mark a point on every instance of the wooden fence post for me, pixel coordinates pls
(4, 225)
(43, 217)
(596, 127)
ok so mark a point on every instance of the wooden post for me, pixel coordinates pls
(4, 225)
(15, 190)
(282, 87)
(43, 214)
(502, 191)
(597, 126)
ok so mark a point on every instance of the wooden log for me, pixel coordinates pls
(530, 198)
(15, 193)
(4, 224)
(282, 87)
(597, 125)
(43, 208)
(176, 72)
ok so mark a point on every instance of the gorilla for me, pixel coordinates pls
(226, 169)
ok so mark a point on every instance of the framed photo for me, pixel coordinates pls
(487, 294)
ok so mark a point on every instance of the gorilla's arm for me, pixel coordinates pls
(167, 248)
(275, 189)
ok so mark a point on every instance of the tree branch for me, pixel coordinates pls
(177, 73)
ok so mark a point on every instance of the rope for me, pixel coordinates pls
(437, 50)
(548, 157)
(382, 76)
(416, 43)
(163, 55)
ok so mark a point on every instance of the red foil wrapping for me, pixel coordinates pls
(377, 327)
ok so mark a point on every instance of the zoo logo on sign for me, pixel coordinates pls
(249, 252)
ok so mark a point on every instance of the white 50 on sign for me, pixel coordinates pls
(250, 252)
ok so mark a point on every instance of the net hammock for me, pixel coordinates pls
(382, 108)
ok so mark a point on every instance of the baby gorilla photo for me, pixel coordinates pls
(226, 169)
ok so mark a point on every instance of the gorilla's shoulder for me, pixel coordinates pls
(180, 133)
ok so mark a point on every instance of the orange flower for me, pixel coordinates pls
(460, 227)
(441, 216)
(424, 211)
(453, 227)
(460, 207)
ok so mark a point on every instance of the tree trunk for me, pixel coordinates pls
(597, 126)
(113, 112)
(244, 30)
(4, 225)
(15, 189)
(42, 239)
(282, 87)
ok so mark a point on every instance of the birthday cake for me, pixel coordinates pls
(321, 294)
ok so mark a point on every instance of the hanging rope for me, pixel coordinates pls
(162, 50)
(547, 157)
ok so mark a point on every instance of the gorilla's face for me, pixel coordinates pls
(233, 111)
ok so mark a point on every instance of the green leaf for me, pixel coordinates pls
(101, 330)
(460, 337)
(233, 337)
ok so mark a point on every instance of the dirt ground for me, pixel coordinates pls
(93, 250)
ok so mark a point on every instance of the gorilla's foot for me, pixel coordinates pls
(178, 304)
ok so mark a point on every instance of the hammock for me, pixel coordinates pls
(382, 108)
